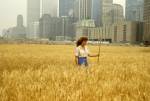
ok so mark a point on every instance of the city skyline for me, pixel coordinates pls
(16, 7)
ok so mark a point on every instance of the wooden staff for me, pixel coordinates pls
(99, 50)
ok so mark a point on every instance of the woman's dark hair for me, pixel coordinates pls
(79, 42)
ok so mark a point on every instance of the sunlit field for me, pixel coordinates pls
(49, 73)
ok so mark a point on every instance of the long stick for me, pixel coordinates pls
(99, 50)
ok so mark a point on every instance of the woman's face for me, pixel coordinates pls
(84, 43)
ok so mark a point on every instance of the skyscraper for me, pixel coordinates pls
(147, 21)
(134, 10)
(19, 31)
(76, 9)
(33, 14)
(117, 13)
(20, 20)
(96, 12)
(85, 8)
(107, 6)
(33, 11)
(66, 8)
(50, 7)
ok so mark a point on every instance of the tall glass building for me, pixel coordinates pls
(97, 12)
(134, 10)
(85, 9)
(66, 8)
(33, 15)
(50, 7)
(107, 6)
(147, 21)
(117, 13)
(33, 11)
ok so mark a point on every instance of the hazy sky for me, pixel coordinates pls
(9, 9)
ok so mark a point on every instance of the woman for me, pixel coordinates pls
(82, 52)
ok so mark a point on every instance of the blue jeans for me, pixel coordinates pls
(82, 61)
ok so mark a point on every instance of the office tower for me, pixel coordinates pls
(66, 8)
(53, 27)
(19, 31)
(82, 9)
(134, 10)
(85, 8)
(33, 11)
(147, 21)
(33, 14)
(117, 13)
(106, 11)
(50, 7)
(97, 12)
(20, 20)
(76, 10)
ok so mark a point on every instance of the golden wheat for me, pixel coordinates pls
(48, 73)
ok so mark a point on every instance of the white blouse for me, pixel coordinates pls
(81, 52)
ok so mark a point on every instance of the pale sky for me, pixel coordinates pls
(9, 9)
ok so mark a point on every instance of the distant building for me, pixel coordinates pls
(33, 14)
(134, 10)
(48, 27)
(147, 21)
(82, 28)
(68, 29)
(117, 13)
(83, 9)
(76, 10)
(127, 31)
(123, 32)
(100, 34)
(34, 29)
(50, 7)
(18, 32)
(102, 12)
(107, 6)
(66, 8)
(53, 27)
(97, 12)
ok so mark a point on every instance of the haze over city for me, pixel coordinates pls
(9, 10)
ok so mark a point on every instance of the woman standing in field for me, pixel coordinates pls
(82, 53)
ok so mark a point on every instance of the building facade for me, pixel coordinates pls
(107, 6)
(34, 29)
(19, 31)
(123, 32)
(85, 9)
(127, 32)
(134, 10)
(82, 28)
(49, 27)
(53, 28)
(117, 13)
(97, 12)
(50, 7)
(66, 8)
(147, 21)
(33, 14)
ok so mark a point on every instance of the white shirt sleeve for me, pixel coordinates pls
(76, 52)
(87, 50)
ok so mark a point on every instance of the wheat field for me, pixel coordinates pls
(48, 73)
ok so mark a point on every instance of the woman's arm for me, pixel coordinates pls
(93, 55)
